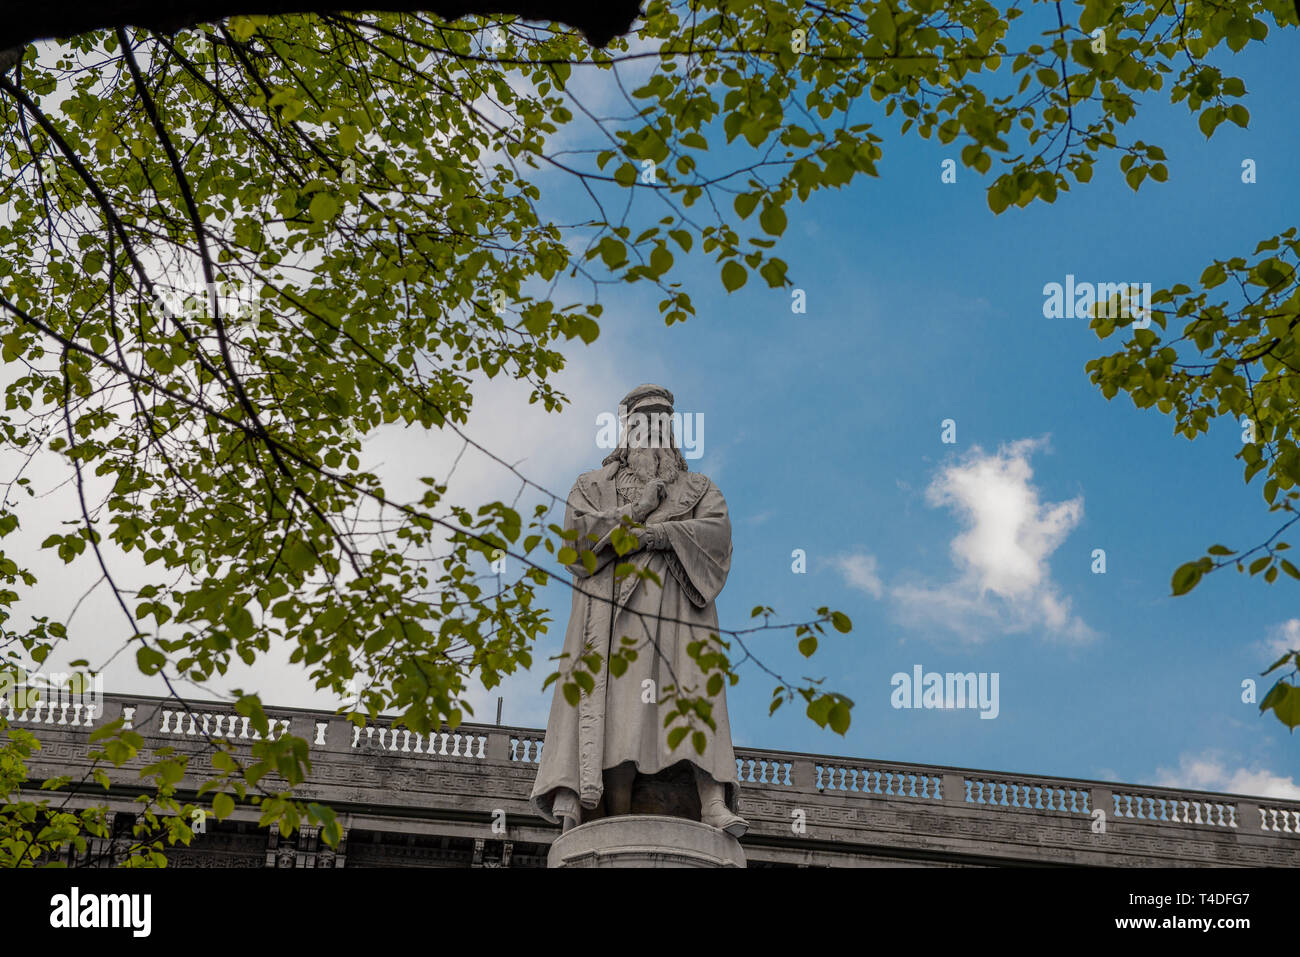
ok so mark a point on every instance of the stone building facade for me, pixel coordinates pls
(460, 799)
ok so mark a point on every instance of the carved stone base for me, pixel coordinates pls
(645, 840)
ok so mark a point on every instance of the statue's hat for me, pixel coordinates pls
(646, 396)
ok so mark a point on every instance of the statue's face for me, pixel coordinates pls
(651, 430)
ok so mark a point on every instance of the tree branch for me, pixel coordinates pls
(599, 22)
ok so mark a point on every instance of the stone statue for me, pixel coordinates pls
(610, 755)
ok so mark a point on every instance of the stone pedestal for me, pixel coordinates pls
(645, 840)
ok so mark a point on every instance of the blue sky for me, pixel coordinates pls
(823, 431)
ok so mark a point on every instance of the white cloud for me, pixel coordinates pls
(1004, 579)
(859, 571)
(1208, 772)
(1282, 638)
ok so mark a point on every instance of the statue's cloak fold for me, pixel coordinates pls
(614, 722)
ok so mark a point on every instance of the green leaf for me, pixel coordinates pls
(324, 207)
(625, 175)
(149, 660)
(1284, 700)
(733, 275)
(1210, 118)
(839, 718)
(745, 203)
(1186, 577)
(772, 219)
(819, 709)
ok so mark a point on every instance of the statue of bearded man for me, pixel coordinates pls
(615, 740)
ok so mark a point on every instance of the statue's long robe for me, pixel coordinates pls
(613, 724)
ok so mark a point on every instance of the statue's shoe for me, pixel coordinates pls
(717, 815)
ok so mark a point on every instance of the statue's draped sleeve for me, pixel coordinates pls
(700, 548)
(584, 514)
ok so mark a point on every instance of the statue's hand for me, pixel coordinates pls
(651, 496)
(652, 538)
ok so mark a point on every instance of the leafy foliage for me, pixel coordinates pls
(357, 204)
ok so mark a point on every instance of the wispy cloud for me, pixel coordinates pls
(858, 570)
(1003, 581)
(1208, 772)
(1282, 638)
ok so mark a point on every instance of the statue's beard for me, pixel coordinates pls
(647, 464)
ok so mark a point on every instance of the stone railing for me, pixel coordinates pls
(856, 800)
(1032, 793)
